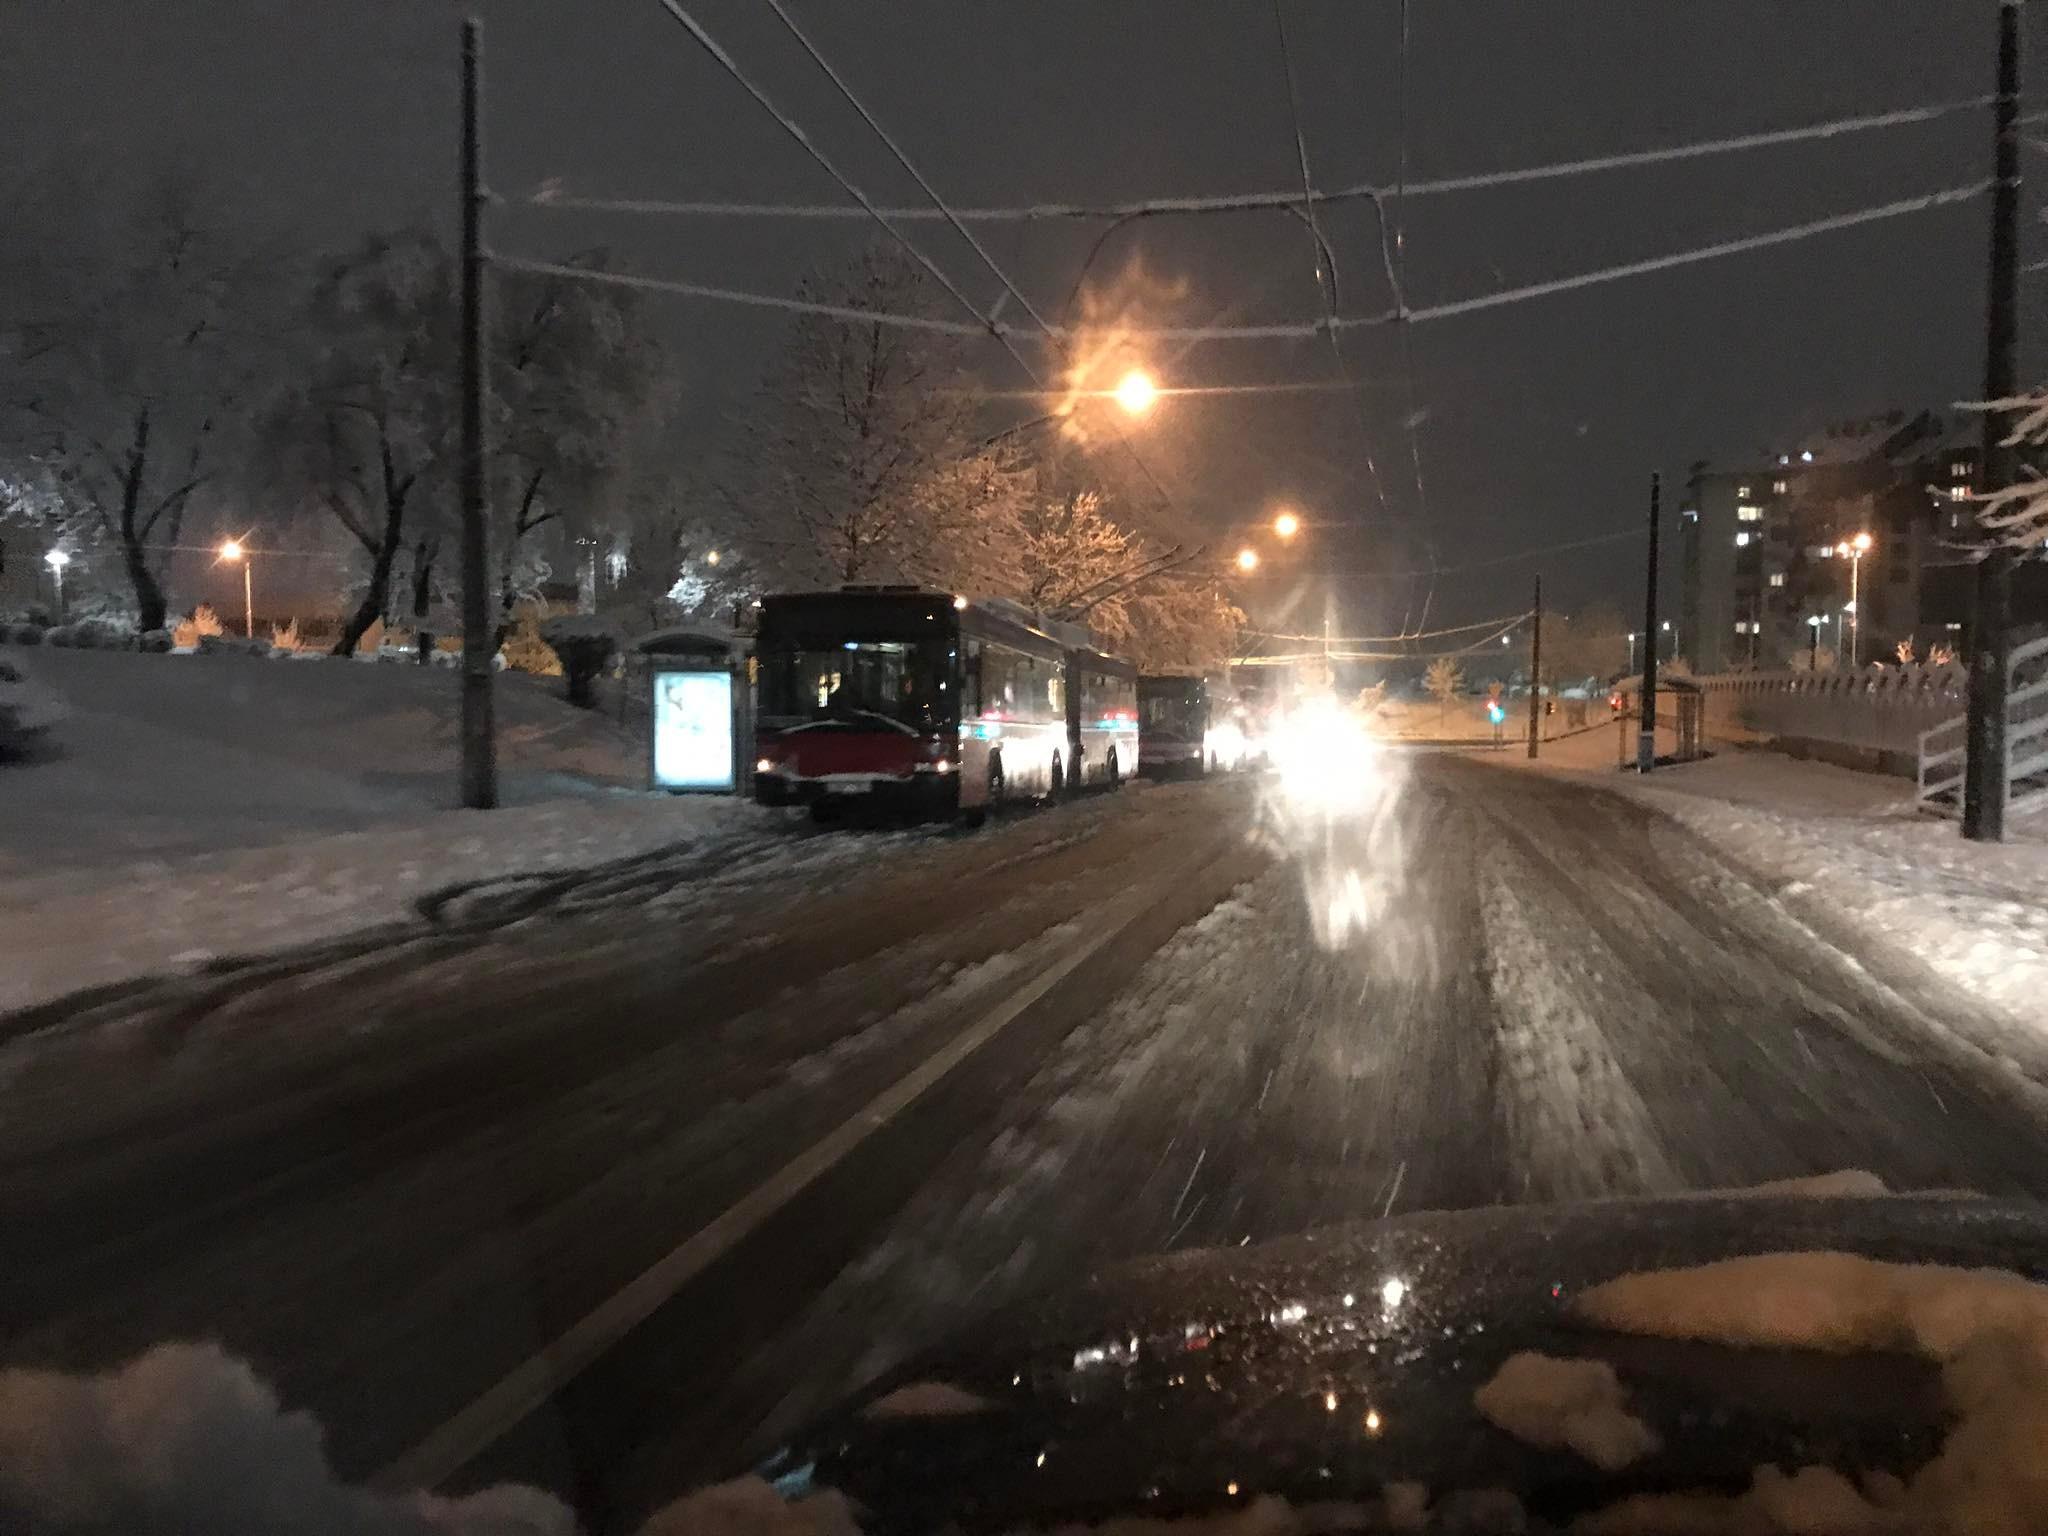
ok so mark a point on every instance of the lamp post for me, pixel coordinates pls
(57, 559)
(1247, 559)
(1286, 525)
(1666, 627)
(1631, 650)
(1813, 625)
(231, 550)
(1854, 550)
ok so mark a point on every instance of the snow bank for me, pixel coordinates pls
(1987, 1328)
(1570, 1404)
(84, 928)
(1848, 847)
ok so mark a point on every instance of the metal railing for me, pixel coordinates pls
(1944, 749)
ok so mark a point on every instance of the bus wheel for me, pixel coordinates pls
(1059, 778)
(992, 802)
(1114, 773)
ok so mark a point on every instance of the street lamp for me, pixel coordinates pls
(1287, 525)
(231, 550)
(1631, 650)
(1853, 550)
(1135, 392)
(1247, 559)
(711, 557)
(57, 559)
(1667, 629)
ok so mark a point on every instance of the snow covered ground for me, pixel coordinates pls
(1851, 846)
(196, 807)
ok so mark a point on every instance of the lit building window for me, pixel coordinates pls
(1959, 492)
(1749, 514)
(1777, 578)
(1742, 539)
(1742, 491)
(1806, 455)
(1822, 551)
(1959, 469)
(1778, 487)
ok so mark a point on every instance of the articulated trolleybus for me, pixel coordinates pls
(930, 703)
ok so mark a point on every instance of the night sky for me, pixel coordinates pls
(1541, 421)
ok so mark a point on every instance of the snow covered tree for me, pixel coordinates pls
(1179, 621)
(131, 368)
(1071, 549)
(366, 430)
(2017, 516)
(574, 378)
(862, 458)
(1443, 679)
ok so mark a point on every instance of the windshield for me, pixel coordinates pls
(908, 682)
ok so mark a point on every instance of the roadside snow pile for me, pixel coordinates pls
(1987, 1328)
(1849, 847)
(84, 928)
(27, 710)
(1976, 912)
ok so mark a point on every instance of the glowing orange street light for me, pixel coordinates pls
(231, 550)
(1135, 392)
(1853, 550)
(1247, 559)
(1287, 525)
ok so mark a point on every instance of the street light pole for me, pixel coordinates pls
(1855, 609)
(248, 599)
(1984, 761)
(1536, 671)
(57, 559)
(1646, 733)
(479, 737)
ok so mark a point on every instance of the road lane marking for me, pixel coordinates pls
(446, 1449)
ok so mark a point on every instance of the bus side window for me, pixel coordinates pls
(970, 680)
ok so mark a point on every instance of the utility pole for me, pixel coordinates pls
(1991, 624)
(479, 740)
(1536, 672)
(1646, 733)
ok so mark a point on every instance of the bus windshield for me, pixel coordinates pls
(901, 681)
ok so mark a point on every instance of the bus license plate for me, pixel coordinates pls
(847, 787)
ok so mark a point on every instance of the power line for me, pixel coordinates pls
(741, 296)
(1240, 202)
(1397, 272)
(1480, 565)
(1327, 292)
(1784, 236)
(1495, 624)
(1297, 330)
(726, 62)
(960, 228)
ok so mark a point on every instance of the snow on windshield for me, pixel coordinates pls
(1987, 1328)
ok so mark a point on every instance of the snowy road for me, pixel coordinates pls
(398, 1178)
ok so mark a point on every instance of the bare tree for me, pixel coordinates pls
(862, 460)
(132, 368)
(1591, 643)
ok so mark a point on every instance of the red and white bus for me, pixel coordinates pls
(929, 703)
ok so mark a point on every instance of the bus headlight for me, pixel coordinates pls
(765, 765)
